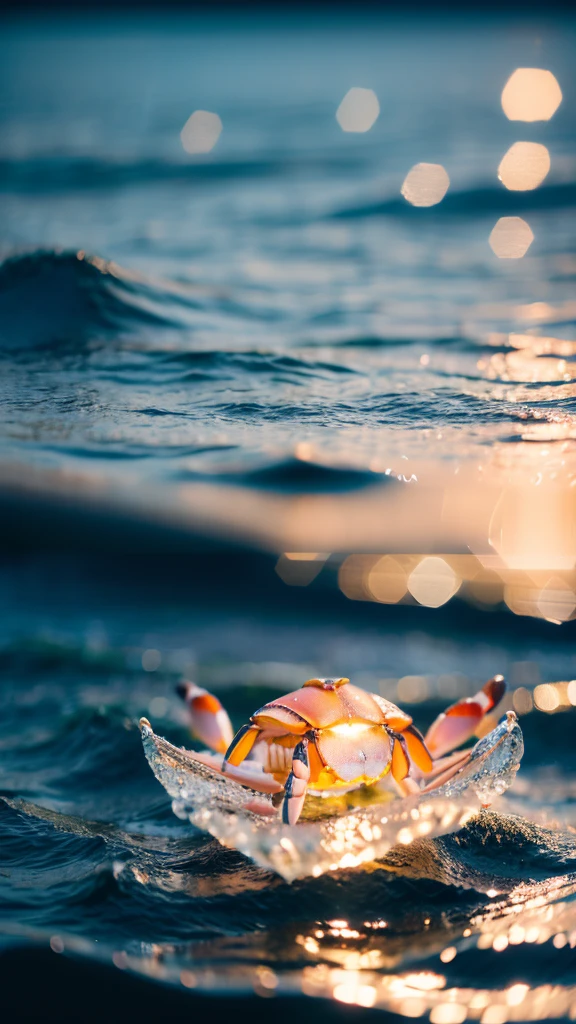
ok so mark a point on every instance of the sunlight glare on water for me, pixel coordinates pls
(358, 111)
(299, 427)
(524, 166)
(531, 94)
(201, 132)
(433, 582)
(510, 238)
(425, 185)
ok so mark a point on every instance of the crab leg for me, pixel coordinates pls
(400, 766)
(241, 745)
(296, 784)
(208, 719)
(416, 748)
(452, 728)
(444, 769)
(460, 721)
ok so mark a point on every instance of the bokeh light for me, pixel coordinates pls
(546, 698)
(358, 111)
(524, 166)
(433, 582)
(412, 689)
(522, 700)
(151, 660)
(532, 528)
(425, 184)
(387, 581)
(557, 600)
(201, 132)
(531, 94)
(511, 238)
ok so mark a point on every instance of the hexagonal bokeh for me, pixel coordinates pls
(425, 184)
(201, 132)
(531, 94)
(358, 110)
(524, 166)
(511, 238)
(433, 582)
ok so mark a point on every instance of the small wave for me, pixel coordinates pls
(48, 297)
(295, 475)
(473, 202)
(43, 174)
(209, 363)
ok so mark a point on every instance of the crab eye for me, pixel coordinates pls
(327, 684)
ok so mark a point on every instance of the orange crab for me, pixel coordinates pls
(331, 735)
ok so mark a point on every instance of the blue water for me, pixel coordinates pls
(167, 319)
(278, 290)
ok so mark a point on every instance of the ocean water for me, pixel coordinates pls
(209, 360)
(278, 291)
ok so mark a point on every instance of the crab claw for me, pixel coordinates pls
(296, 784)
(460, 721)
(208, 719)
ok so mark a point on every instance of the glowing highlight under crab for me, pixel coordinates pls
(349, 729)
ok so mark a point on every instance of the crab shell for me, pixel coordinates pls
(354, 737)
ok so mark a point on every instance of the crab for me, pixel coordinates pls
(331, 736)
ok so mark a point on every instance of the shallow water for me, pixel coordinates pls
(265, 345)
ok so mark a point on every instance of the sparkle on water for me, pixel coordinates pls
(425, 185)
(201, 132)
(358, 111)
(531, 94)
(511, 237)
(524, 166)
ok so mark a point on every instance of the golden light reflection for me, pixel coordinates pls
(425, 184)
(412, 689)
(267, 978)
(448, 1013)
(527, 366)
(448, 954)
(351, 992)
(353, 576)
(416, 994)
(511, 237)
(533, 528)
(201, 132)
(516, 994)
(526, 552)
(524, 166)
(495, 1014)
(551, 697)
(557, 600)
(358, 110)
(387, 581)
(543, 345)
(531, 94)
(433, 582)
(424, 981)
(546, 698)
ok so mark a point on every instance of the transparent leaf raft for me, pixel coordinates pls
(332, 835)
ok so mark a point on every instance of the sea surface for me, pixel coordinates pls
(188, 342)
